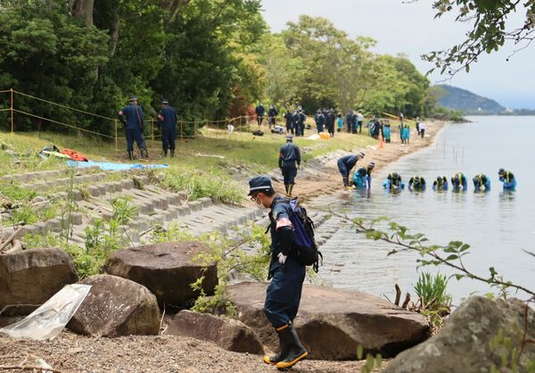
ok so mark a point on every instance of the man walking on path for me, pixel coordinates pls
(346, 164)
(167, 121)
(422, 129)
(132, 117)
(289, 122)
(289, 162)
(260, 112)
(287, 274)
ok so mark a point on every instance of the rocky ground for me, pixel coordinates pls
(70, 353)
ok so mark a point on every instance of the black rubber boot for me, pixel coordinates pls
(346, 181)
(165, 153)
(290, 189)
(283, 345)
(295, 349)
(172, 153)
(145, 153)
(286, 188)
(131, 155)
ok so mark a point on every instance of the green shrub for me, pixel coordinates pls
(16, 193)
(431, 291)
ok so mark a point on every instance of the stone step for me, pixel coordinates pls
(43, 175)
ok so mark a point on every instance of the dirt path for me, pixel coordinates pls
(70, 353)
(330, 181)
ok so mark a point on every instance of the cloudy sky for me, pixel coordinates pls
(411, 29)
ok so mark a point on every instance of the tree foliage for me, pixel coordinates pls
(491, 28)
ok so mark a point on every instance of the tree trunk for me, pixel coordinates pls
(83, 9)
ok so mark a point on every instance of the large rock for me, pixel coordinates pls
(166, 269)
(333, 323)
(464, 344)
(116, 307)
(231, 335)
(33, 276)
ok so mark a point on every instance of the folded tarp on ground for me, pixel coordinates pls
(111, 166)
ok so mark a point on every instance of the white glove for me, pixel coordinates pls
(282, 258)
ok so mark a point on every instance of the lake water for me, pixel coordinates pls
(497, 225)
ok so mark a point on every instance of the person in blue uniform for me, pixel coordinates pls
(272, 116)
(283, 294)
(481, 183)
(289, 117)
(167, 120)
(346, 164)
(132, 117)
(417, 184)
(299, 119)
(289, 162)
(508, 179)
(319, 118)
(363, 177)
(387, 132)
(260, 112)
(458, 182)
(440, 184)
(394, 183)
(329, 121)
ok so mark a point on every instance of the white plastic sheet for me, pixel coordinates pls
(48, 321)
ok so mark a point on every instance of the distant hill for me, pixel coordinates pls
(466, 101)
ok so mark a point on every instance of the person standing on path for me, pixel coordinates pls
(289, 122)
(132, 117)
(260, 112)
(299, 122)
(346, 164)
(289, 162)
(360, 121)
(167, 121)
(272, 116)
(319, 118)
(330, 119)
(287, 274)
(421, 129)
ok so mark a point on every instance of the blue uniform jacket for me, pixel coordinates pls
(349, 161)
(169, 117)
(289, 155)
(280, 210)
(133, 115)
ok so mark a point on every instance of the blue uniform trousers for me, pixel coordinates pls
(133, 134)
(283, 294)
(289, 174)
(168, 137)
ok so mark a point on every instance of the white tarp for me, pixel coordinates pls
(48, 321)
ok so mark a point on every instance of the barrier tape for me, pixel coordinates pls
(8, 109)
(63, 106)
(62, 124)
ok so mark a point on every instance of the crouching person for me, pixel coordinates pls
(287, 274)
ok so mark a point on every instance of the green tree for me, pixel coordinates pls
(492, 27)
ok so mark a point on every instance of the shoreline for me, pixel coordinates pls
(316, 181)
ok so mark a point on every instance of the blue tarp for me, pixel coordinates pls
(111, 166)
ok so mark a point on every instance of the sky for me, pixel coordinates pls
(410, 28)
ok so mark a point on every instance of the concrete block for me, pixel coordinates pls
(195, 205)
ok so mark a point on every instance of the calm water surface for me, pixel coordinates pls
(497, 225)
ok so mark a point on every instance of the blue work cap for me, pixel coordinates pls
(260, 184)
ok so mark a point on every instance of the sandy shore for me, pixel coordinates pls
(330, 181)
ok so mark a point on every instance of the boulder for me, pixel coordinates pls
(167, 269)
(464, 343)
(33, 276)
(333, 323)
(229, 334)
(116, 307)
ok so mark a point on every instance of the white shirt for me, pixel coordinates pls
(422, 126)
